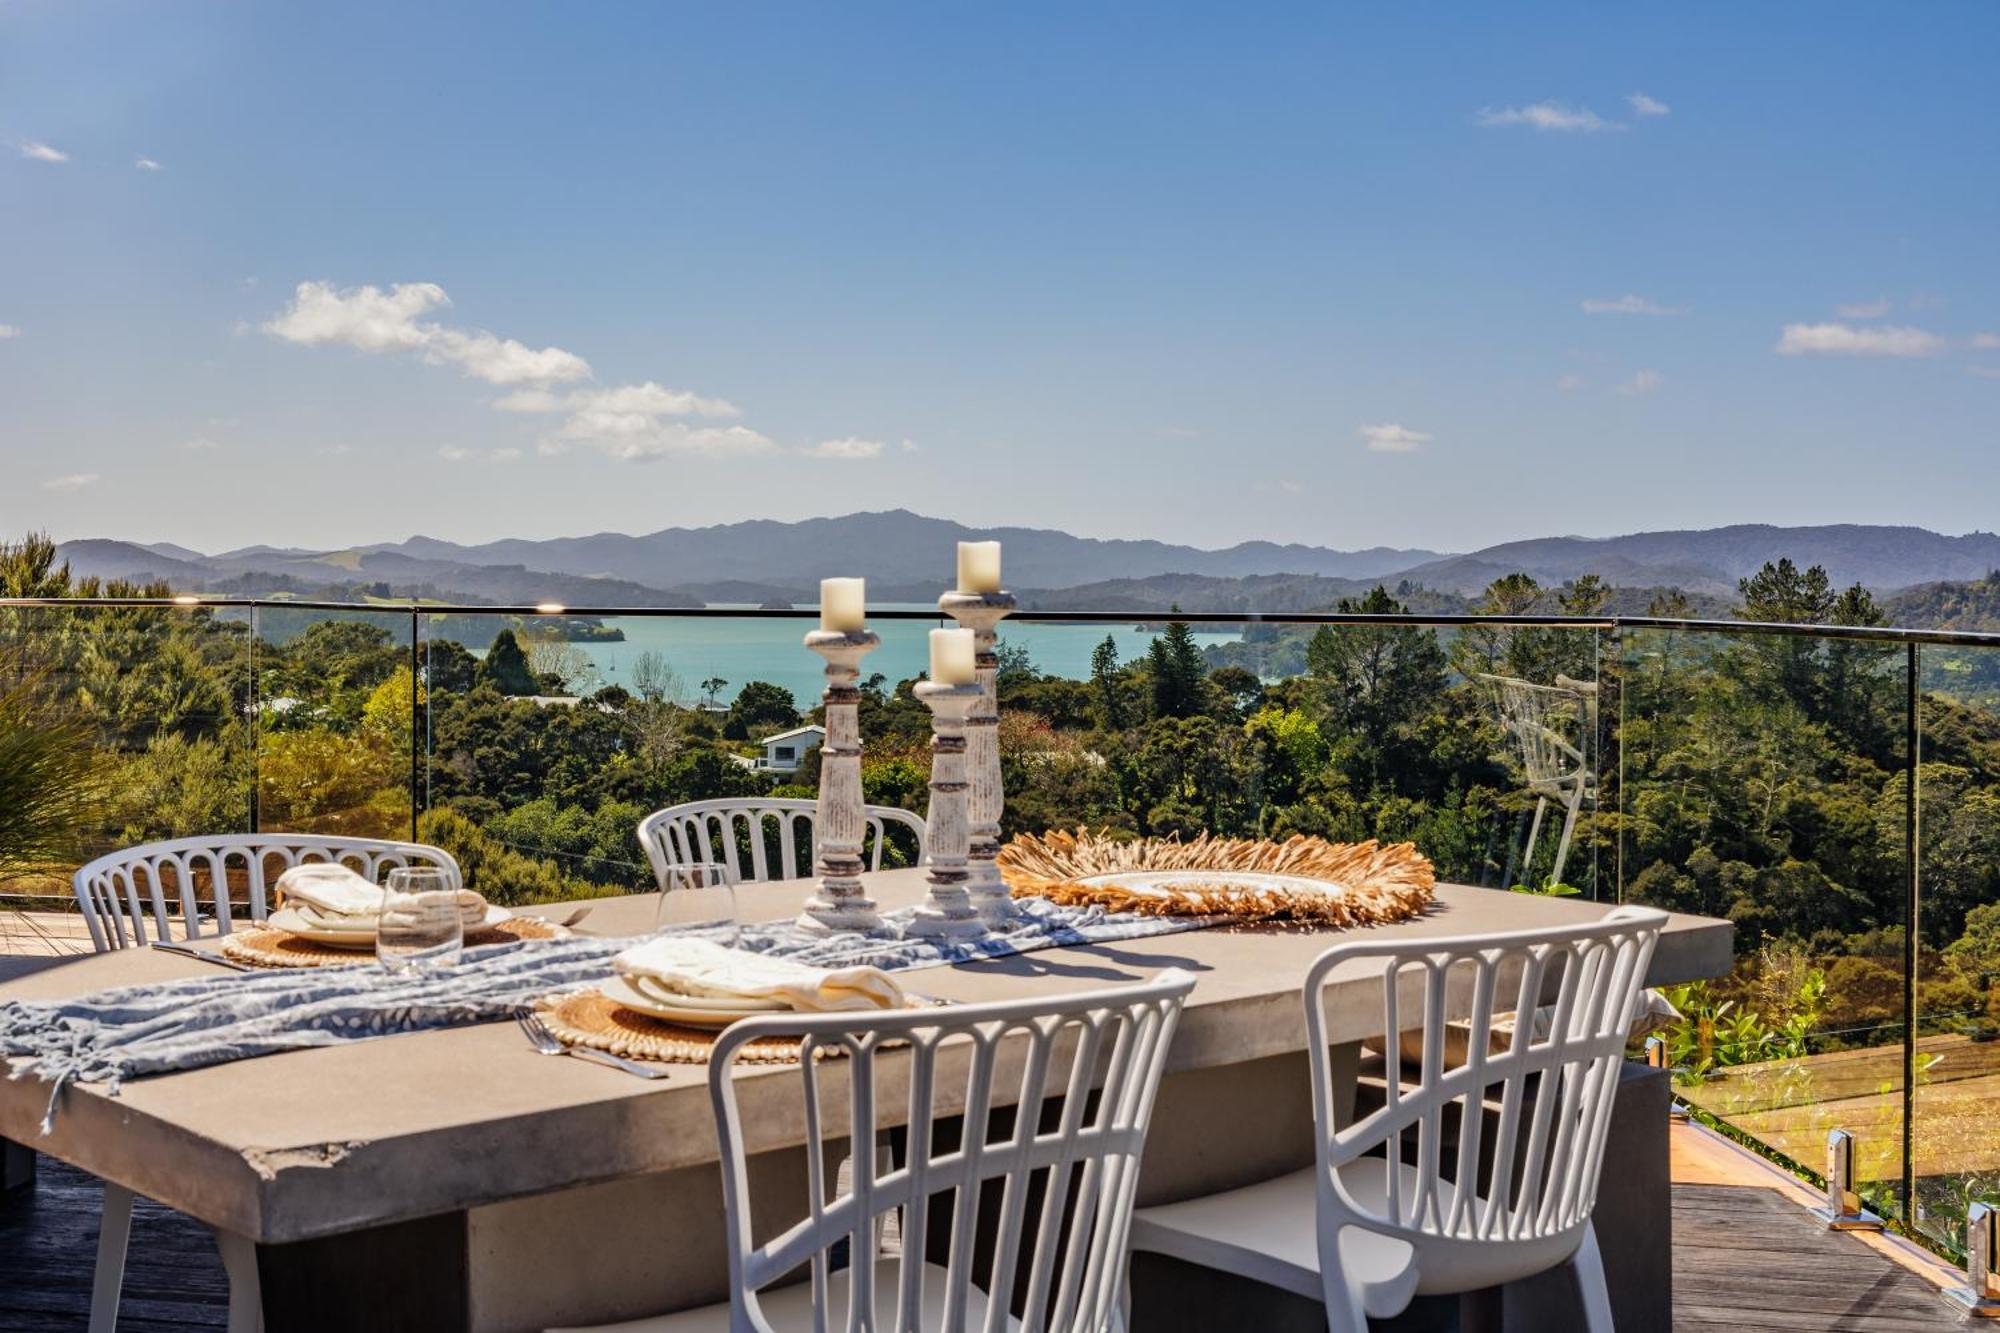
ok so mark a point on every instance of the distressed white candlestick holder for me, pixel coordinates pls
(982, 612)
(947, 912)
(839, 824)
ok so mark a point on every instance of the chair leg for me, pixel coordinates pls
(1345, 1312)
(1591, 1290)
(114, 1229)
(1571, 807)
(246, 1293)
(1534, 836)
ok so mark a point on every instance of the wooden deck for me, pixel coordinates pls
(1747, 1257)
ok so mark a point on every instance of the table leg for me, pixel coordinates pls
(407, 1277)
(17, 1165)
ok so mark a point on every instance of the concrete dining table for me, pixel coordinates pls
(457, 1179)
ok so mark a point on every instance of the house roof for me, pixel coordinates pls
(811, 727)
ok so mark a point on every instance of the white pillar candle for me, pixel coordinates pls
(979, 566)
(953, 656)
(843, 603)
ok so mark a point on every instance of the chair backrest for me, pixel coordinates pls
(743, 833)
(904, 1066)
(119, 891)
(1548, 722)
(1528, 1170)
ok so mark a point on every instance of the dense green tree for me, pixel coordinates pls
(448, 667)
(32, 568)
(1105, 685)
(760, 708)
(1179, 673)
(1377, 682)
(506, 666)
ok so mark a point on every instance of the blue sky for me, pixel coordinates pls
(1339, 274)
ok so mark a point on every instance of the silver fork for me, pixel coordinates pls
(548, 1043)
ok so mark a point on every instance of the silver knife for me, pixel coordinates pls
(189, 951)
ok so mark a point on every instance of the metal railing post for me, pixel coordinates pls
(1913, 880)
(1980, 1296)
(1657, 1058)
(1842, 1210)
(416, 720)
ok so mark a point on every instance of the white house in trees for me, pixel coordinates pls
(784, 751)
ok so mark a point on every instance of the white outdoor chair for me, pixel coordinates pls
(918, 1065)
(118, 894)
(717, 830)
(120, 891)
(1389, 1212)
(1551, 725)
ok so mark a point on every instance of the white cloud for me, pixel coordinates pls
(367, 318)
(1984, 372)
(847, 447)
(147, 164)
(1643, 105)
(626, 421)
(1629, 304)
(1290, 487)
(632, 440)
(1641, 384)
(372, 320)
(457, 453)
(9, 331)
(1847, 340)
(1546, 116)
(910, 446)
(1986, 342)
(36, 151)
(650, 399)
(498, 360)
(201, 444)
(1570, 383)
(1390, 438)
(1863, 309)
(72, 481)
(529, 400)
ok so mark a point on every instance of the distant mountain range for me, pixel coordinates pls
(908, 557)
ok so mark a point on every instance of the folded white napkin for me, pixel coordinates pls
(702, 968)
(331, 895)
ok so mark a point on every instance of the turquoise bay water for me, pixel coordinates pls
(741, 650)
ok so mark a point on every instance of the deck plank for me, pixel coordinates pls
(48, 1246)
(1749, 1259)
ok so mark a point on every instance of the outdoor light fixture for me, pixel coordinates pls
(1980, 1296)
(1842, 1210)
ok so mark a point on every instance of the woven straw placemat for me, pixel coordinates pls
(265, 947)
(590, 1018)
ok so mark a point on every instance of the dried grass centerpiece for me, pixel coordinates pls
(1300, 879)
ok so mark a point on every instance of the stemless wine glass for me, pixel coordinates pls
(700, 895)
(420, 927)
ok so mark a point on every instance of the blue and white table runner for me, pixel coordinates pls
(132, 1031)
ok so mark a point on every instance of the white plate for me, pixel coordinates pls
(1161, 883)
(696, 1013)
(288, 920)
